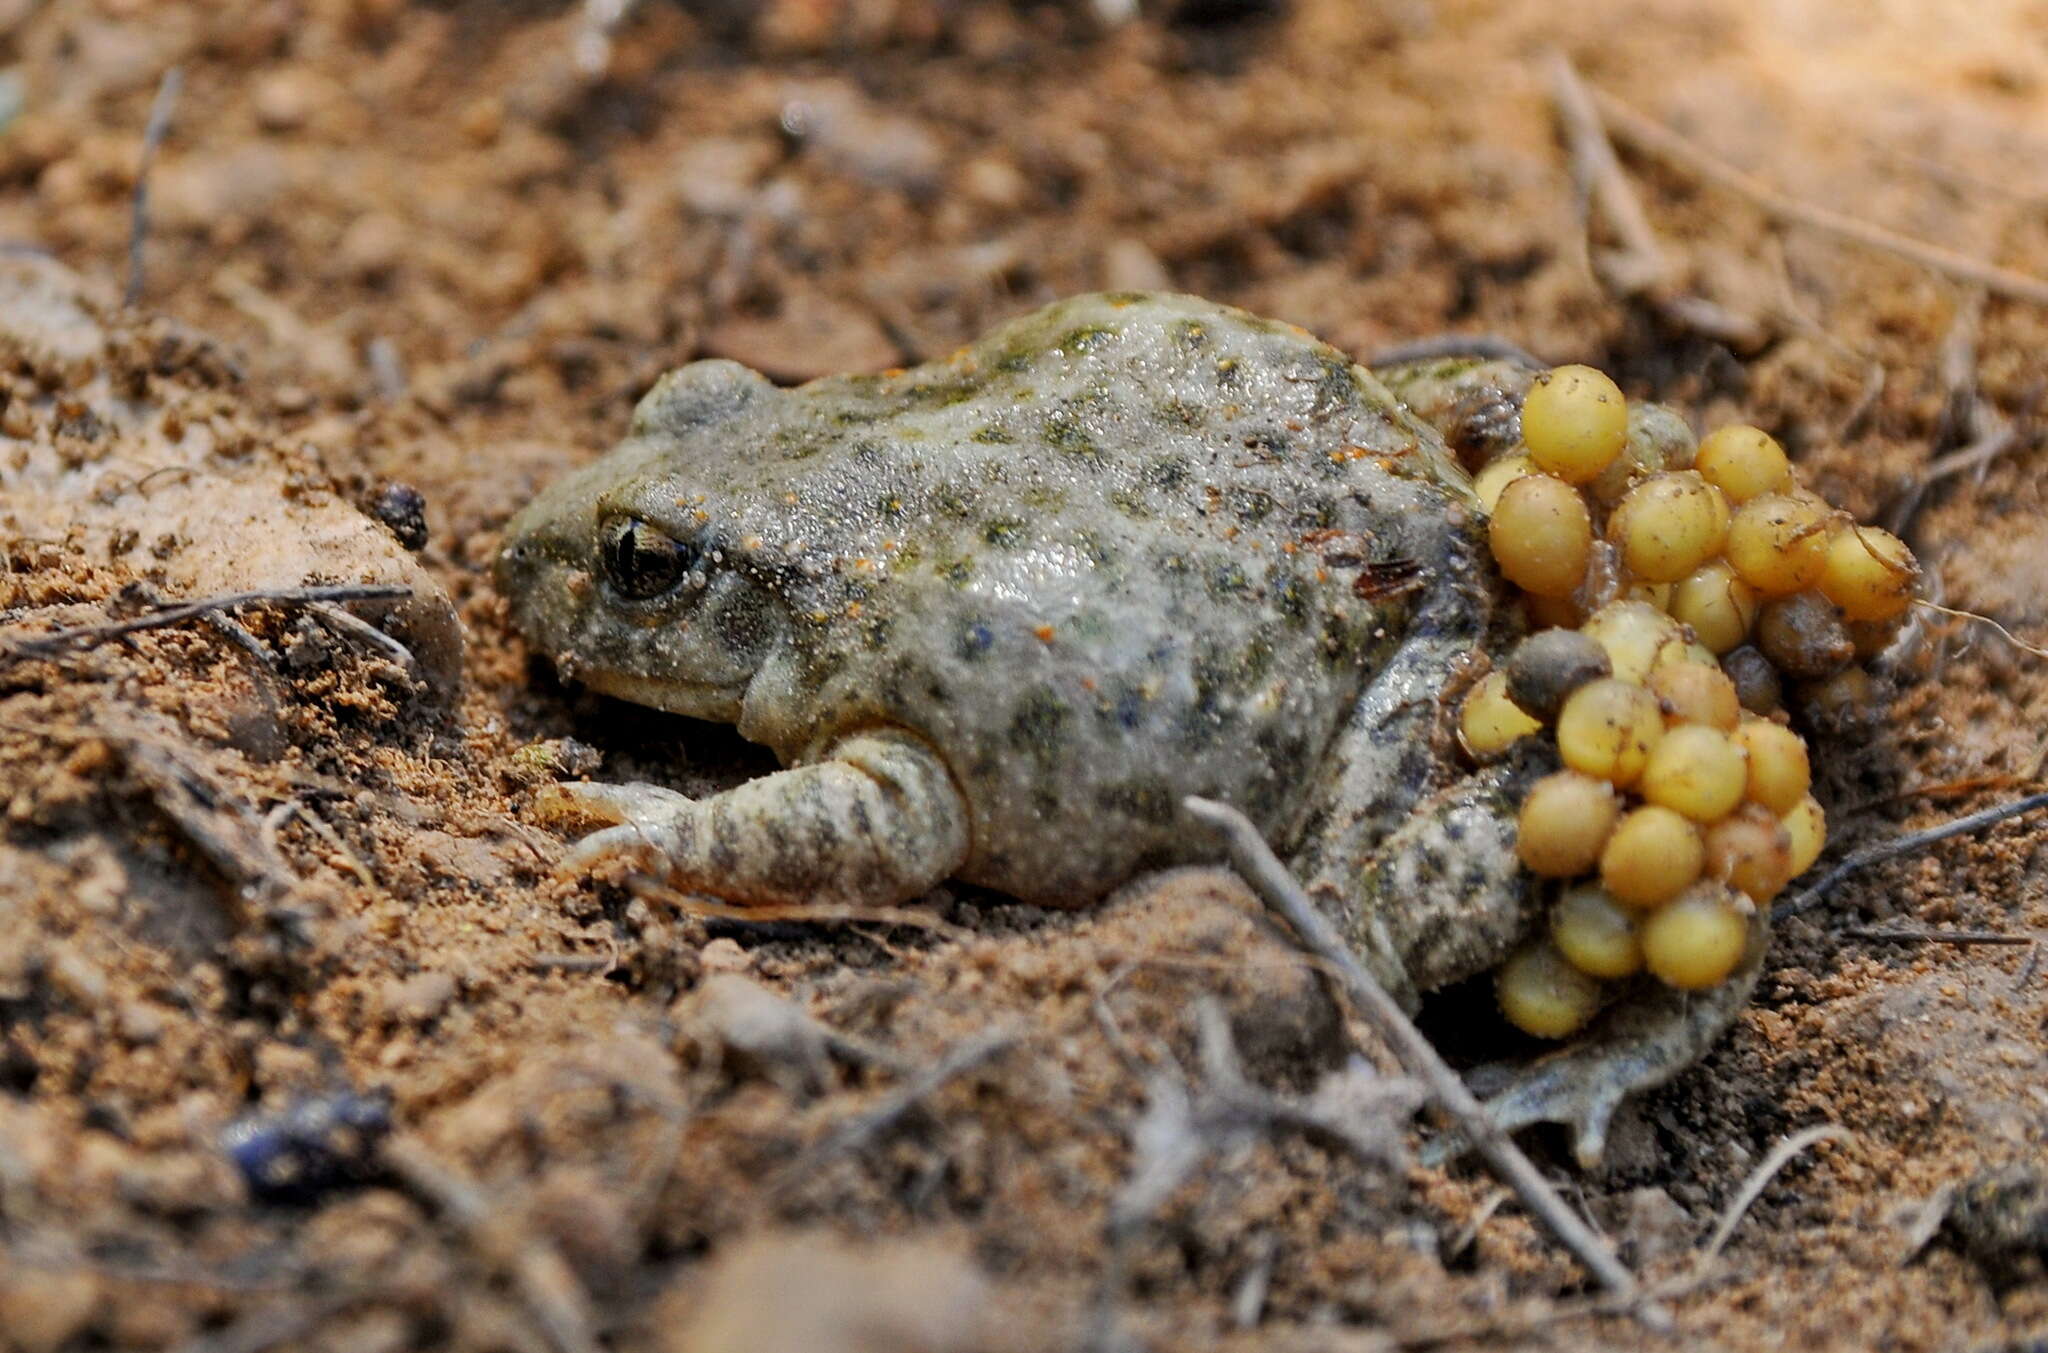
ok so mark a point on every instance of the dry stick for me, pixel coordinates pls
(1960, 937)
(1482, 347)
(1998, 437)
(1904, 845)
(1643, 267)
(858, 1130)
(153, 134)
(363, 632)
(1759, 1179)
(1639, 270)
(177, 612)
(537, 1271)
(1655, 139)
(2021, 644)
(1271, 881)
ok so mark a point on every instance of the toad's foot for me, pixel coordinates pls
(876, 820)
(1643, 1041)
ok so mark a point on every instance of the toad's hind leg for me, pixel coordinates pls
(1639, 1043)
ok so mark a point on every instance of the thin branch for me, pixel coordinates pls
(1271, 881)
(807, 913)
(177, 612)
(861, 1128)
(1958, 937)
(1639, 270)
(1641, 265)
(535, 1268)
(1905, 845)
(363, 632)
(153, 135)
(1999, 436)
(1653, 138)
(1479, 347)
(2021, 644)
(1760, 1178)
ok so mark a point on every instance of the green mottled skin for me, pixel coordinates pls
(999, 614)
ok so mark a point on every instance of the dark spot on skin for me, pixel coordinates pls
(1269, 445)
(959, 572)
(1086, 339)
(889, 505)
(1065, 433)
(1038, 728)
(1229, 579)
(1293, 599)
(1168, 473)
(1319, 515)
(1257, 658)
(1131, 503)
(993, 436)
(948, 501)
(1124, 706)
(1229, 372)
(867, 454)
(1146, 798)
(975, 641)
(1004, 532)
(1335, 386)
(1180, 413)
(1092, 549)
(1191, 334)
(1250, 506)
(742, 624)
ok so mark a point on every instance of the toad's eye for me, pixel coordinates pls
(643, 561)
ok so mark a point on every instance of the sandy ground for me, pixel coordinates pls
(247, 867)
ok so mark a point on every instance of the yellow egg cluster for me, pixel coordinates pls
(1665, 602)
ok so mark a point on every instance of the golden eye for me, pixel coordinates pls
(643, 561)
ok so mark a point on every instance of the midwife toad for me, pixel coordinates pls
(1000, 614)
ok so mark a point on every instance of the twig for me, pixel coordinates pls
(175, 613)
(1469, 1232)
(1759, 1179)
(1905, 845)
(2028, 968)
(1639, 269)
(1653, 138)
(538, 1273)
(1182, 1129)
(572, 963)
(1999, 436)
(690, 904)
(1482, 347)
(862, 1128)
(2021, 644)
(363, 632)
(1271, 881)
(1641, 266)
(153, 134)
(1960, 937)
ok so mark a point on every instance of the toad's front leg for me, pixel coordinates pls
(877, 819)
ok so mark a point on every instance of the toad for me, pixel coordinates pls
(998, 615)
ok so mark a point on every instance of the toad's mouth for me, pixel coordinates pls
(715, 701)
